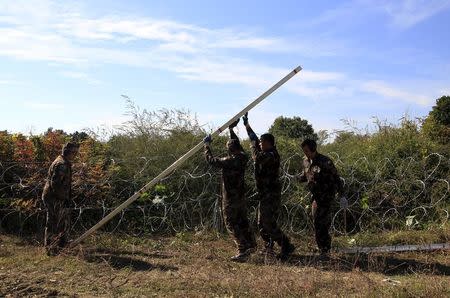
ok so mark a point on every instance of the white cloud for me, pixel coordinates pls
(317, 76)
(317, 92)
(27, 44)
(401, 14)
(31, 10)
(386, 90)
(52, 32)
(317, 85)
(48, 31)
(59, 35)
(114, 28)
(407, 13)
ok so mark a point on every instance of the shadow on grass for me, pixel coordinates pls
(388, 265)
(121, 259)
(121, 262)
(137, 253)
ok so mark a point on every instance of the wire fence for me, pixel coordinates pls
(384, 195)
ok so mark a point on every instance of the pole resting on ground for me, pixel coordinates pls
(182, 159)
(395, 248)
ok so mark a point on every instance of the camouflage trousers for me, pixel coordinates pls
(237, 223)
(269, 211)
(322, 224)
(57, 225)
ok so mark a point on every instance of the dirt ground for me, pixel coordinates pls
(197, 265)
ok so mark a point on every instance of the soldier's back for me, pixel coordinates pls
(58, 167)
(267, 172)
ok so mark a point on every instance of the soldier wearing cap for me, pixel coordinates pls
(57, 199)
(234, 205)
(267, 174)
(323, 182)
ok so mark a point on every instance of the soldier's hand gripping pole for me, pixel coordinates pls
(182, 159)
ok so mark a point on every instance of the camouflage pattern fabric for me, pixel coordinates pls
(322, 224)
(321, 176)
(267, 175)
(234, 206)
(323, 182)
(56, 198)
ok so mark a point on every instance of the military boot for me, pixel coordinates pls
(286, 250)
(324, 254)
(243, 255)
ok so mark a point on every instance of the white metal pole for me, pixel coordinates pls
(182, 159)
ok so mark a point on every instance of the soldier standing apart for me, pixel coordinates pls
(323, 182)
(233, 191)
(56, 197)
(267, 172)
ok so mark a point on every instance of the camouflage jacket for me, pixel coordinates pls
(59, 180)
(267, 166)
(321, 175)
(233, 175)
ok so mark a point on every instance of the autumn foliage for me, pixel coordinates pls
(24, 161)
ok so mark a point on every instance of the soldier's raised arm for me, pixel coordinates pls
(233, 135)
(224, 162)
(257, 153)
(251, 134)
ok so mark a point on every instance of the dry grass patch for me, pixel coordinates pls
(197, 265)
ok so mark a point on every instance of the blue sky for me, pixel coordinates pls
(64, 64)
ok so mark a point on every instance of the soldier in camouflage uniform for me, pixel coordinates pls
(233, 191)
(56, 198)
(267, 172)
(323, 182)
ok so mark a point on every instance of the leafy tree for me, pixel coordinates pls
(39, 148)
(437, 124)
(6, 146)
(53, 140)
(23, 148)
(441, 111)
(294, 128)
(322, 136)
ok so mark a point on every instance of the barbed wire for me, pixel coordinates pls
(383, 195)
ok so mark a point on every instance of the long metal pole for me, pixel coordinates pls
(182, 159)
